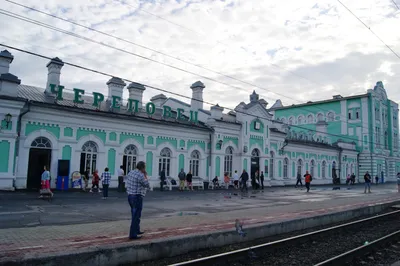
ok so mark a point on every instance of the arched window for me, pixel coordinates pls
(310, 119)
(312, 167)
(164, 163)
(291, 121)
(271, 165)
(41, 143)
(194, 163)
(331, 116)
(89, 157)
(283, 120)
(130, 158)
(300, 120)
(285, 167)
(300, 166)
(323, 170)
(320, 117)
(228, 161)
(255, 153)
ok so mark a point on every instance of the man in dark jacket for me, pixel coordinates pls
(367, 179)
(243, 180)
(162, 179)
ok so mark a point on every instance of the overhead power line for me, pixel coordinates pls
(369, 28)
(396, 4)
(181, 95)
(39, 23)
(153, 50)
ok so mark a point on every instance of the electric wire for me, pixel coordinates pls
(187, 97)
(369, 28)
(39, 23)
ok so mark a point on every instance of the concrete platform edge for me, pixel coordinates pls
(132, 252)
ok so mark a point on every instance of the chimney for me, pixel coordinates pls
(115, 88)
(54, 72)
(158, 100)
(8, 82)
(216, 112)
(136, 92)
(5, 60)
(197, 95)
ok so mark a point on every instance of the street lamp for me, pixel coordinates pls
(7, 119)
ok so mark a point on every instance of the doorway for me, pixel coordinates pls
(255, 162)
(38, 158)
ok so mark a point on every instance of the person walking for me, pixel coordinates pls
(45, 180)
(182, 178)
(367, 179)
(227, 180)
(121, 174)
(162, 179)
(236, 180)
(376, 180)
(105, 179)
(137, 184)
(307, 180)
(253, 181)
(262, 180)
(243, 180)
(189, 180)
(95, 181)
(299, 180)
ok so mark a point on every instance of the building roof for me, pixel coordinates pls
(10, 78)
(197, 84)
(37, 96)
(318, 102)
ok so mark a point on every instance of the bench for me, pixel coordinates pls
(198, 182)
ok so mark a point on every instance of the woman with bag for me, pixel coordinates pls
(45, 183)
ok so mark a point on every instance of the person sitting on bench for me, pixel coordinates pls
(215, 182)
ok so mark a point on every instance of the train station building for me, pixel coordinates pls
(87, 131)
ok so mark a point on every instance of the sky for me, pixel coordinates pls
(295, 51)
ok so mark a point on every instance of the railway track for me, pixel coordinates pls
(336, 245)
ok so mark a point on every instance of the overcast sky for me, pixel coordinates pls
(293, 50)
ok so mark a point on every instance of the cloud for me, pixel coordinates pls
(295, 51)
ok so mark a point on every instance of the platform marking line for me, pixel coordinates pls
(30, 247)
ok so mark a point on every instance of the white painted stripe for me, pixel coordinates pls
(21, 212)
(30, 247)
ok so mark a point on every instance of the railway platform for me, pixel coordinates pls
(81, 229)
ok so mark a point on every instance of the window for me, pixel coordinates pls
(228, 161)
(358, 114)
(312, 167)
(323, 170)
(89, 157)
(291, 121)
(299, 166)
(300, 120)
(285, 167)
(331, 117)
(194, 163)
(165, 161)
(42, 143)
(386, 141)
(271, 165)
(349, 115)
(310, 119)
(320, 117)
(129, 159)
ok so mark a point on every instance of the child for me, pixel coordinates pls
(95, 181)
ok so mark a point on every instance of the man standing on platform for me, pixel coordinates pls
(121, 174)
(136, 187)
(162, 179)
(307, 179)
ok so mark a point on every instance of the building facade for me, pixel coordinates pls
(41, 126)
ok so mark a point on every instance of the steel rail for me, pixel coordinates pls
(360, 251)
(231, 255)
